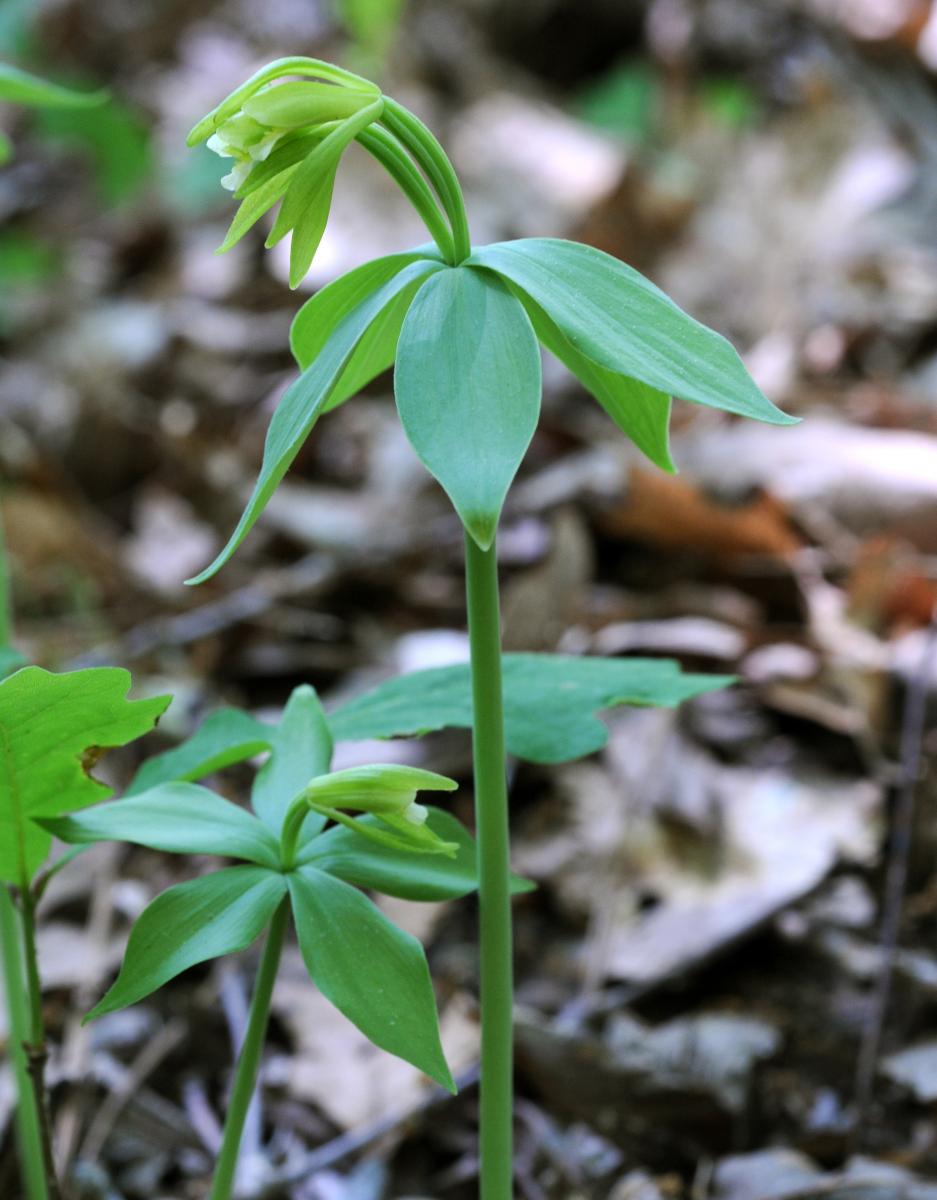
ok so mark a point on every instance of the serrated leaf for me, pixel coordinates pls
(301, 749)
(191, 923)
(49, 726)
(21, 87)
(179, 818)
(613, 315)
(549, 701)
(225, 737)
(467, 383)
(641, 412)
(307, 397)
(402, 873)
(372, 971)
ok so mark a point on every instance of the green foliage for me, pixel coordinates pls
(52, 727)
(373, 972)
(618, 319)
(623, 101)
(372, 23)
(468, 390)
(307, 398)
(20, 87)
(549, 701)
(377, 976)
(191, 923)
(180, 818)
(118, 141)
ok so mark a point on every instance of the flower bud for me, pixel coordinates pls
(388, 792)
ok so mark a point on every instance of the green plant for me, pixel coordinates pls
(371, 970)
(461, 324)
(20, 87)
(52, 730)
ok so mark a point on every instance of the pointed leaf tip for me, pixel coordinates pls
(467, 383)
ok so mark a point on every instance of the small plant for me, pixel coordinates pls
(461, 326)
(372, 971)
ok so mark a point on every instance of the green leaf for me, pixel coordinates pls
(118, 140)
(190, 923)
(226, 737)
(313, 324)
(641, 412)
(620, 320)
(305, 399)
(51, 728)
(400, 872)
(301, 749)
(180, 818)
(467, 383)
(373, 972)
(549, 701)
(20, 87)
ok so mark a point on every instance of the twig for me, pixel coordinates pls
(912, 737)
(312, 573)
(347, 1144)
(142, 1067)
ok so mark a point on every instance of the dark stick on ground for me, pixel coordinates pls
(912, 737)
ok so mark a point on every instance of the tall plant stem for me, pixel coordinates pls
(35, 1047)
(491, 814)
(245, 1075)
(29, 1136)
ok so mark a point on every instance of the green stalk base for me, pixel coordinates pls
(491, 813)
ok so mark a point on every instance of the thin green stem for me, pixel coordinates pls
(28, 1131)
(491, 815)
(245, 1076)
(427, 151)
(296, 814)
(392, 156)
(35, 1047)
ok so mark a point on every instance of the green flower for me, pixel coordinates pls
(388, 792)
(286, 137)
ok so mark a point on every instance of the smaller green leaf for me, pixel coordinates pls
(549, 701)
(301, 749)
(21, 87)
(313, 324)
(179, 818)
(641, 412)
(467, 383)
(6, 149)
(305, 400)
(401, 872)
(373, 972)
(225, 737)
(190, 923)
